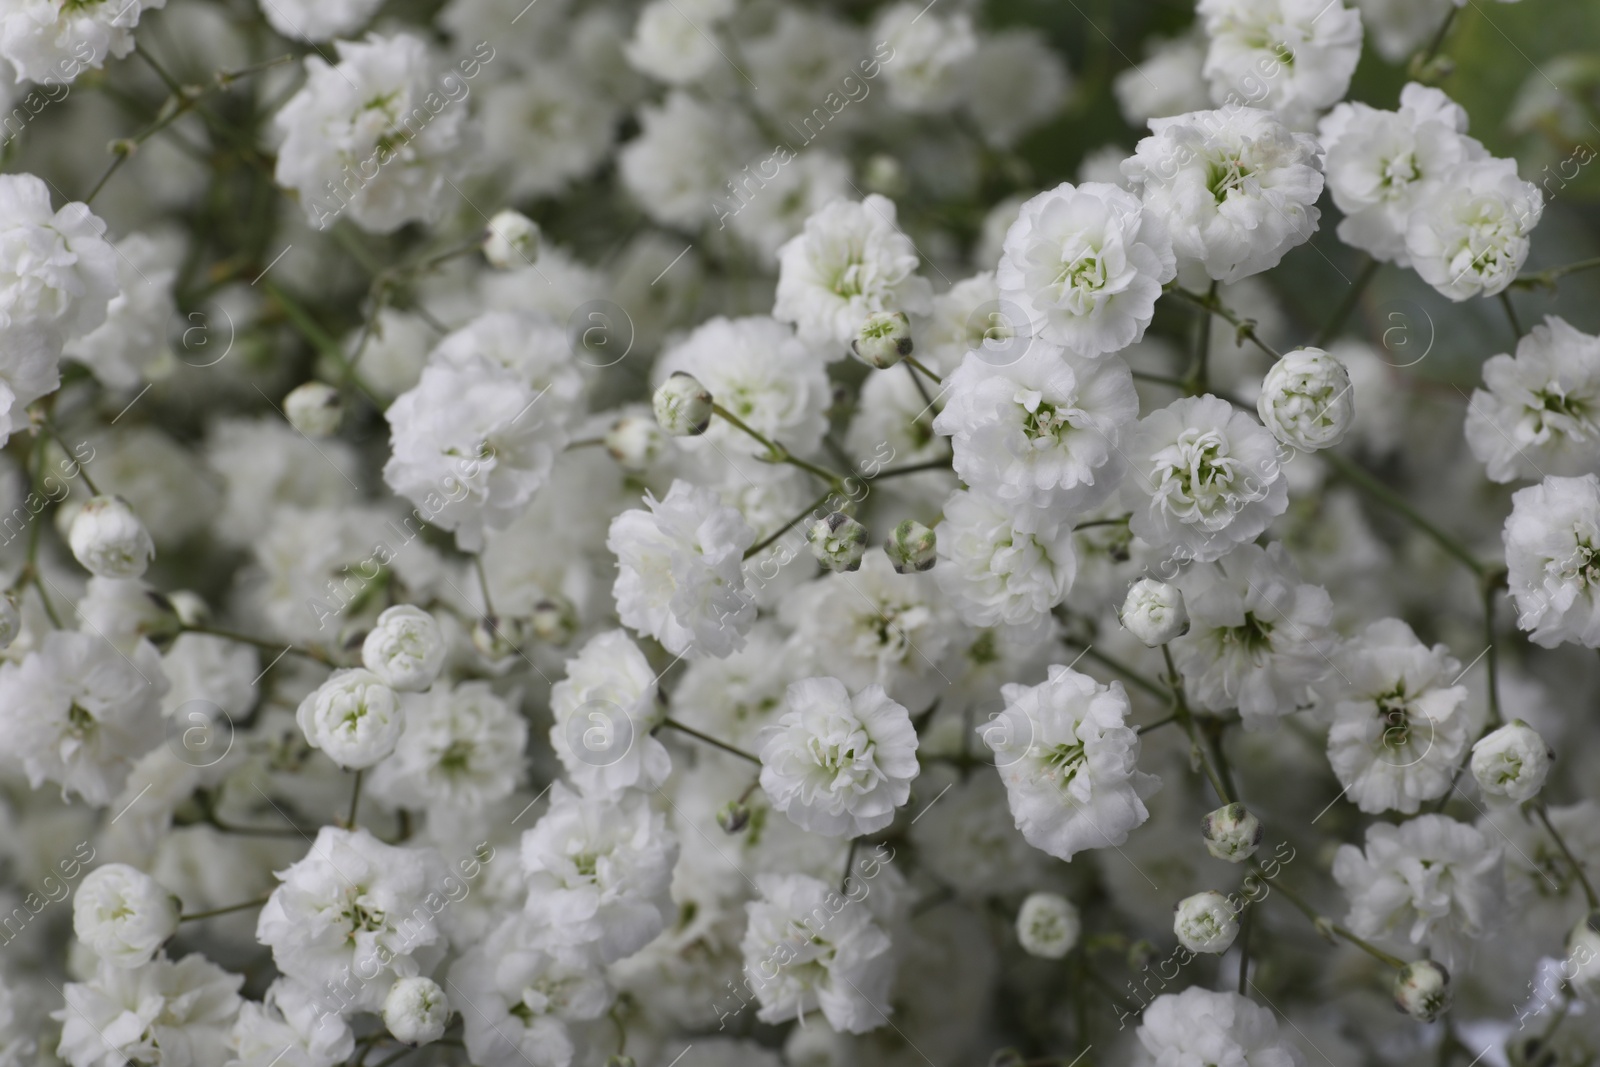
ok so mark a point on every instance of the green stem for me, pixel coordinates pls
(263, 643)
(245, 906)
(1180, 706)
(708, 739)
(1438, 39)
(776, 453)
(1322, 922)
(811, 509)
(1361, 479)
(916, 364)
(1244, 328)
(1352, 299)
(1547, 278)
(1117, 665)
(1244, 949)
(355, 800)
(1511, 313)
(1491, 657)
(1572, 860)
(911, 468)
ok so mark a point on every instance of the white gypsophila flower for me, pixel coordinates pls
(1154, 612)
(1539, 413)
(850, 260)
(963, 317)
(109, 540)
(1199, 1026)
(1086, 264)
(1203, 478)
(1430, 881)
(78, 712)
(1259, 637)
(546, 127)
(354, 915)
(686, 151)
(1400, 27)
(808, 947)
(968, 839)
(1236, 188)
(1205, 922)
(766, 211)
(131, 345)
(735, 697)
(757, 369)
(599, 871)
(1014, 82)
(1168, 82)
(314, 409)
(404, 648)
(524, 999)
(1381, 165)
(290, 1029)
(838, 764)
(58, 275)
(1294, 57)
(353, 716)
(53, 43)
(461, 745)
(1398, 726)
(680, 577)
(929, 52)
(1069, 762)
(305, 20)
(1048, 925)
(416, 1010)
(1039, 433)
(672, 41)
(123, 914)
(511, 240)
(265, 462)
(1552, 541)
(1306, 400)
(381, 135)
(605, 710)
(997, 574)
(1470, 236)
(171, 1014)
(1511, 762)
(874, 627)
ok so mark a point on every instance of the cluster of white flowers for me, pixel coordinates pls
(681, 533)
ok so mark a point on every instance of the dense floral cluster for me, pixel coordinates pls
(680, 531)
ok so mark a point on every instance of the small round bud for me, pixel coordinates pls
(1232, 833)
(1154, 612)
(1205, 922)
(683, 405)
(314, 408)
(733, 817)
(1306, 400)
(1582, 965)
(554, 620)
(511, 240)
(883, 340)
(10, 620)
(123, 914)
(1048, 925)
(884, 174)
(912, 547)
(838, 541)
(496, 638)
(1511, 762)
(109, 540)
(416, 1010)
(190, 607)
(635, 442)
(404, 648)
(621, 1059)
(1422, 990)
(353, 717)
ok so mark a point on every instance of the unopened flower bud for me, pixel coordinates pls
(1205, 922)
(353, 717)
(884, 339)
(10, 620)
(511, 240)
(620, 1059)
(404, 648)
(1048, 925)
(912, 547)
(635, 442)
(1422, 990)
(416, 1010)
(109, 540)
(884, 174)
(733, 817)
(1511, 762)
(190, 607)
(1306, 400)
(1154, 612)
(1232, 833)
(496, 638)
(314, 408)
(838, 541)
(683, 405)
(554, 620)
(1582, 965)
